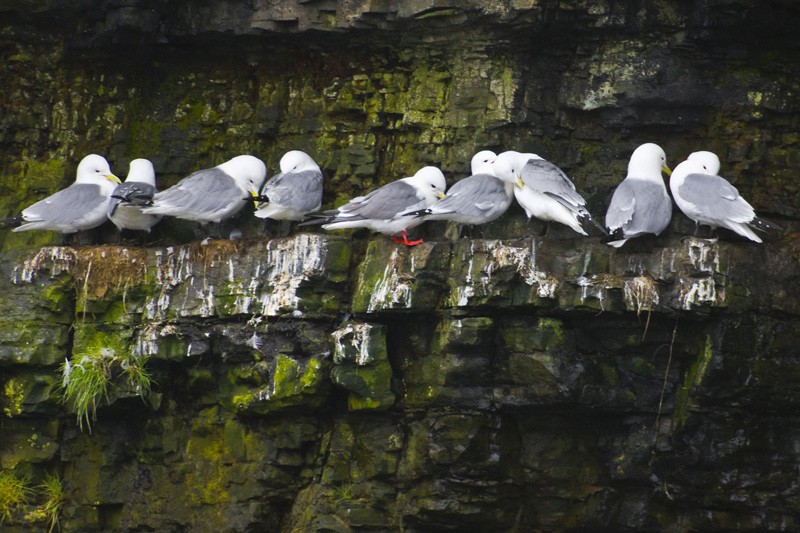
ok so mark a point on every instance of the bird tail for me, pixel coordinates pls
(587, 217)
(11, 222)
(616, 235)
(764, 225)
(316, 219)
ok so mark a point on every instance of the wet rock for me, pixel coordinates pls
(490, 378)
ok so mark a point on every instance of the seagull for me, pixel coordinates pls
(81, 206)
(476, 199)
(127, 200)
(293, 193)
(382, 210)
(640, 204)
(212, 194)
(711, 200)
(543, 191)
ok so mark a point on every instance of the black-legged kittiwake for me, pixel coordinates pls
(711, 200)
(640, 204)
(476, 199)
(293, 193)
(81, 206)
(212, 194)
(543, 190)
(382, 209)
(136, 192)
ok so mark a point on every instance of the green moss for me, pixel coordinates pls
(312, 376)
(554, 329)
(13, 395)
(56, 297)
(292, 383)
(694, 377)
(284, 376)
(208, 480)
(43, 174)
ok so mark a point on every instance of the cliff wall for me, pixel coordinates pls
(312, 381)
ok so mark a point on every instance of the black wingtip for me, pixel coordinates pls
(616, 235)
(316, 219)
(765, 225)
(140, 201)
(315, 222)
(419, 213)
(596, 224)
(11, 222)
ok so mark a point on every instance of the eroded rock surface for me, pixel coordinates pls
(305, 381)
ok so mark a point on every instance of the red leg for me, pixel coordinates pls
(405, 240)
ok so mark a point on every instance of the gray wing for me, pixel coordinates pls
(383, 203)
(301, 191)
(67, 206)
(204, 191)
(639, 206)
(715, 198)
(269, 181)
(474, 199)
(543, 176)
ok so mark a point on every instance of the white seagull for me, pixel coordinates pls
(640, 204)
(136, 192)
(544, 191)
(212, 194)
(293, 193)
(81, 206)
(711, 200)
(476, 199)
(382, 210)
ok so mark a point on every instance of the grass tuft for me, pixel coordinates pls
(93, 373)
(49, 511)
(14, 492)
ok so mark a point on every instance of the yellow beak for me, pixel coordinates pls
(254, 194)
(113, 178)
(520, 183)
(439, 195)
(665, 169)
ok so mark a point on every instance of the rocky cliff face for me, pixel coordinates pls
(305, 381)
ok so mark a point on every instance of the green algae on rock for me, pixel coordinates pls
(501, 382)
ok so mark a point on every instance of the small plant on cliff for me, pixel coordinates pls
(94, 372)
(14, 493)
(48, 511)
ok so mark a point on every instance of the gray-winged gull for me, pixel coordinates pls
(640, 204)
(293, 193)
(711, 200)
(382, 209)
(545, 192)
(136, 192)
(476, 199)
(81, 206)
(212, 194)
